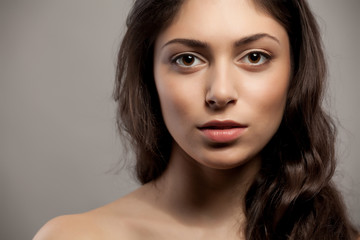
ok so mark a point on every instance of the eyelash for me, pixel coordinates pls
(175, 60)
(264, 58)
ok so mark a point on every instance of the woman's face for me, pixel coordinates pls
(222, 71)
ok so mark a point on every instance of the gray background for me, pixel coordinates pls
(58, 137)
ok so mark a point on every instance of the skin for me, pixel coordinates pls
(201, 193)
(222, 84)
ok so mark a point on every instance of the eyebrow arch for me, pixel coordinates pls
(253, 38)
(199, 44)
(187, 42)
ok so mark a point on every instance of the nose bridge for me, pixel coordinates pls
(221, 85)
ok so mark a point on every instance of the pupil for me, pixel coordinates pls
(254, 57)
(188, 60)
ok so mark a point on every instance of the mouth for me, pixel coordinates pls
(222, 131)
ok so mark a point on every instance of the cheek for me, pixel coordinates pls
(268, 98)
(177, 98)
(172, 103)
(272, 100)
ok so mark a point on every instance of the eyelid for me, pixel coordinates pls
(175, 57)
(261, 51)
(241, 60)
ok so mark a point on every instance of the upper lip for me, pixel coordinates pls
(218, 124)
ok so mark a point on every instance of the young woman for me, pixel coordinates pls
(222, 103)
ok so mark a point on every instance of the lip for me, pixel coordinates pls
(222, 131)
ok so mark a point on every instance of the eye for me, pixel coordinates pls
(256, 58)
(187, 60)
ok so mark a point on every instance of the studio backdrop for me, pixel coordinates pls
(58, 141)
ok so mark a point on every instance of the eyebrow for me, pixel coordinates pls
(187, 42)
(199, 44)
(253, 38)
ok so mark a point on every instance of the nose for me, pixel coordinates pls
(221, 90)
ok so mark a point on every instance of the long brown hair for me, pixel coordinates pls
(292, 196)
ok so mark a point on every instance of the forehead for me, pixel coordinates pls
(216, 20)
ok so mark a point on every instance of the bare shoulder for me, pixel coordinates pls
(117, 220)
(81, 226)
(65, 227)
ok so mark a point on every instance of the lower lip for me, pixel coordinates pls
(223, 135)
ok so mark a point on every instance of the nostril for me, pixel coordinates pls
(217, 104)
(221, 96)
(211, 102)
(232, 101)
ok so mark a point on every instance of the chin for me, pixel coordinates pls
(228, 163)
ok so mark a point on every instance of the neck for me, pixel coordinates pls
(202, 196)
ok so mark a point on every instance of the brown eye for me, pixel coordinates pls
(254, 57)
(188, 60)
